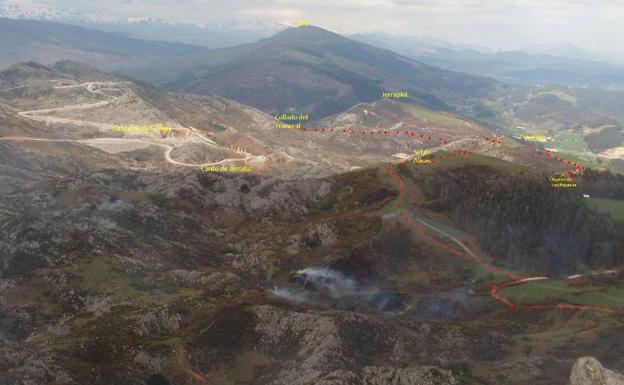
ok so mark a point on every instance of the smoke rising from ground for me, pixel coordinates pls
(322, 286)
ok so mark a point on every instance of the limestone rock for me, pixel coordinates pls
(159, 323)
(373, 375)
(426, 375)
(588, 371)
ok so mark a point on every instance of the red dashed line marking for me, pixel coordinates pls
(384, 133)
(482, 262)
(576, 167)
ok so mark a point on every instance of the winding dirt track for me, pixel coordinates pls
(167, 153)
(468, 255)
(13, 88)
(39, 115)
(449, 236)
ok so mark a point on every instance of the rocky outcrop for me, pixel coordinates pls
(409, 376)
(159, 323)
(320, 234)
(373, 375)
(218, 284)
(338, 349)
(222, 284)
(588, 371)
(245, 194)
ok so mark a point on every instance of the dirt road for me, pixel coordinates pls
(40, 116)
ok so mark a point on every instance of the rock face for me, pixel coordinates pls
(383, 376)
(588, 371)
(324, 349)
(408, 376)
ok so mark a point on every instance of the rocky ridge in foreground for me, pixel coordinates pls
(588, 371)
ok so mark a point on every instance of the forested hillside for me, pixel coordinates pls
(522, 220)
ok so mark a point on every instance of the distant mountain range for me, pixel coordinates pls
(46, 42)
(226, 33)
(309, 69)
(536, 64)
(562, 64)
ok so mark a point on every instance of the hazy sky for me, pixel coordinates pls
(508, 24)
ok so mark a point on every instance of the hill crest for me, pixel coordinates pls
(312, 70)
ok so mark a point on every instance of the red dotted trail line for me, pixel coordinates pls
(576, 167)
(385, 133)
(482, 262)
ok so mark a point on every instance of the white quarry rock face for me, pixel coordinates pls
(588, 371)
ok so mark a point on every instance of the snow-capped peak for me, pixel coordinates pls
(46, 13)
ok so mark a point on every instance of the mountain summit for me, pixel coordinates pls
(312, 70)
(309, 34)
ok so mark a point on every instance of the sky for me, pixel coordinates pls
(499, 24)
